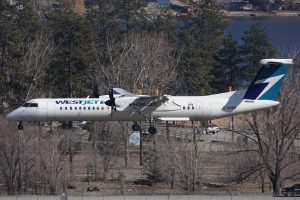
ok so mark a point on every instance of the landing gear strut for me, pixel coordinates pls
(20, 126)
(152, 130)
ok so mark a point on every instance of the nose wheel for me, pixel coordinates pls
(136, 127)
(152, 130)
(20, 126)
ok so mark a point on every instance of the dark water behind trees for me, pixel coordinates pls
(284, 32)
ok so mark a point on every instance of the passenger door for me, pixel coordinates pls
(51, 111)
(199, 109)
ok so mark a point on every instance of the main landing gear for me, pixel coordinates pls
(137, 127)
(20, 126)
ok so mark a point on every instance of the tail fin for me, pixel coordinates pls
(268, 81)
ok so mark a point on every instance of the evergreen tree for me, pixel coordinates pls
(18, 25)
(227, 71)
(10, 38)
(200, 36)
(115, 17)
(70, 72)
(257, 45)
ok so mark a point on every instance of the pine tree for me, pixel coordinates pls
(18, 25)
(200, 36)
(70, 72)
(257, 45)
(227, 71)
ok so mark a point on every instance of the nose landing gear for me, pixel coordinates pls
(20, 126)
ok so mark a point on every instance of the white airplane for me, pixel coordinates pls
(121, 105)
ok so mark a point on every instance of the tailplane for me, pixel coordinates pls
(268, 81)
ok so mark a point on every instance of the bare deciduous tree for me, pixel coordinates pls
(52, 163)
(272, 134)
(17, 160)
(141, 61)
(34, 65)
(180, 163)
(110, 146)
(107, 146)
(30, 159)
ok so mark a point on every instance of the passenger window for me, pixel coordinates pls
(97, 108)
(84, 108)
(89, 108)
(79, 108)
(60, 108)
(70, 108)
(193, 108)
(188, 107)
(183, 107)
(66, 108)
(93, 108)
(75, 108)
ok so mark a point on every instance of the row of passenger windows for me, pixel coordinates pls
(102, 108)
(82, 108)
(188, 107)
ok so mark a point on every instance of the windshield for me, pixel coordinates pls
(35, 105)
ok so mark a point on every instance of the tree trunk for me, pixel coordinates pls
(275, 185)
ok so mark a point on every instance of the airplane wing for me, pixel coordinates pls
(123, 93)
(161, 99)
(154, 103)
(144, 98)
(145, 103)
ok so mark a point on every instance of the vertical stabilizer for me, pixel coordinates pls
(268, 81)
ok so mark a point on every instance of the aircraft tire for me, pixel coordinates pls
(152, 130)
(20, 127)
(136, 127)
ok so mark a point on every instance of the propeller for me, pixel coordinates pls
(111, 102)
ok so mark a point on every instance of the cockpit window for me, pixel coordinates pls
(34, 105)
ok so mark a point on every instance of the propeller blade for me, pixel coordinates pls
(111, 94)
(111, 102)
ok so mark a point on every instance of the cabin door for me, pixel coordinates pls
(50, 111)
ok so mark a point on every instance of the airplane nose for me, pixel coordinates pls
(8, 117)
(11, 116)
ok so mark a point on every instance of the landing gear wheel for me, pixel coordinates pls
(20, 127)
(152, 130)
(136, 127)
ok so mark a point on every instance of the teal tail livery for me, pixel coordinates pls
(268, 81)
(121, 105)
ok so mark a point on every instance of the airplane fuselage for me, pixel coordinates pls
(176, 108)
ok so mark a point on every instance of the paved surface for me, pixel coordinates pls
(172, 197)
